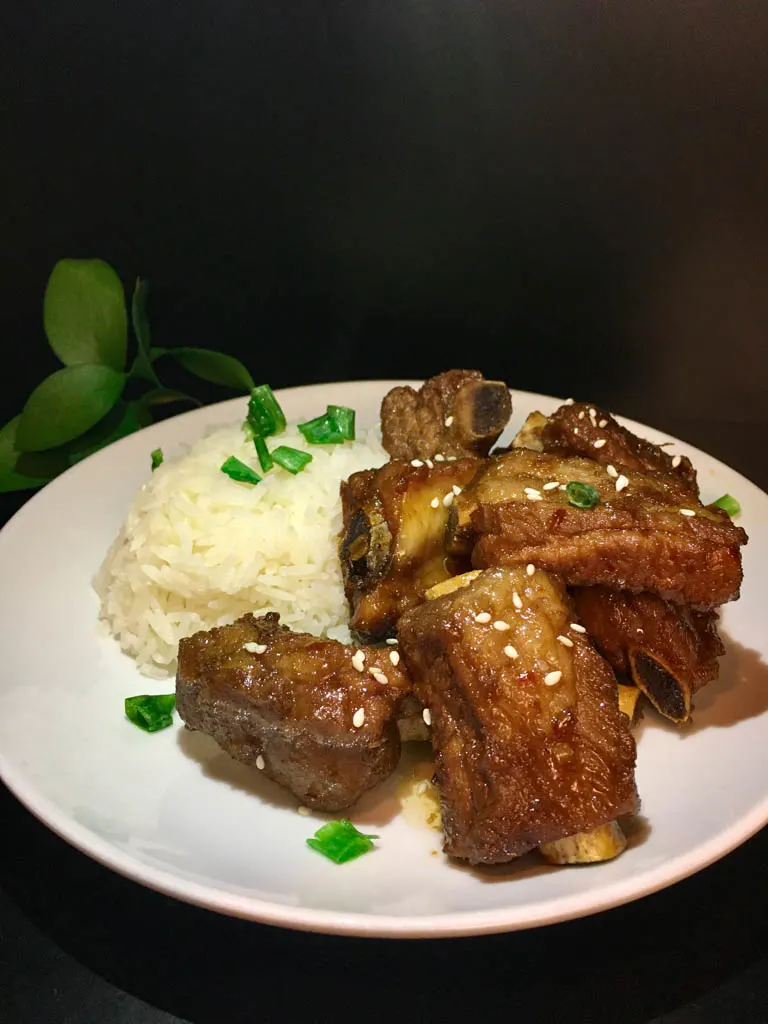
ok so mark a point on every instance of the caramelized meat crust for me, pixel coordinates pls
(669, 650)
(529, 741)
(392, 545)
(642, 537)
(320, 727)
(458, 413)
(574, 430)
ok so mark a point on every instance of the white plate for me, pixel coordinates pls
(172, 812)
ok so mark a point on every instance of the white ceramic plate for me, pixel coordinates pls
(172, 812)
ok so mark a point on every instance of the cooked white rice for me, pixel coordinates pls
(199, 550)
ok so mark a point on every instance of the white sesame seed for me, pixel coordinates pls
(449, 421)
(565, 641)
(592, 412)
(621, 483)
(562, 487)
(434, 503)
(448, 498)
(687, 512)
(581, 415)
(534, 496)
(260, 763)
(483, 617)
(421, 788)
(451, 458)
(416, 463)
(552, 678)
(304, 811)
(254, 648)
(517, 601)
(456, 490)
(439, 457)
(511, 652)
(429, 463)
(501, 625)
(530, 569)
(551, 486)
(379, 676)
(394, 657)
(358, 718)
(612, 471)
(577, 627)
(676, 461)
(568, 401)
(426, 714)
(391, 640)
(358, 660)
(599, 444)
(532, 490)
(602, 423)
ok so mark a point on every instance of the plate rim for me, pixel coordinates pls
(365, 924)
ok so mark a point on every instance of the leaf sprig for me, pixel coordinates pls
(94, 399)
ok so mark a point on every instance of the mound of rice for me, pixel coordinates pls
(199, 550)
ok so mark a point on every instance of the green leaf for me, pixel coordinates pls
(66, 404)
(123, 419)
(84, 314)
(20, 478)
(142, 364)
(214, 366)
(165, 396)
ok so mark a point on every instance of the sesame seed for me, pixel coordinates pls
(592, 412)
(426, 714)
(435, 502)
(358, 718)
(552, 678)
(483, 617)
(379, 676)
(416, 463)
(562, 487)
(687, 512)
(565, 641)
(391, 640)
(621, 483)
(581, 415)
(394, 657)
(260, 763)
(577, 627)
(568, 401)
(421, 788)
(439, 457)
(304, 811)
(501, 625)
(449, 421)
(676, 461)
(456, 490)
(451, 458)
(551, 486)
(612, 471)
(530, 569)
(254, 648)
(448, 498)
(534, 496)
(517, 601)
(358, 660)
(429, 463)
(511, 652)
(599, 444)
(602, 423)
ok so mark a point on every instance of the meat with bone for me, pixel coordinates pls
(668, 650)
(588, 431)
(458, 413)
(646, 533)
(319, 717)
(392, 545)
(529, 741)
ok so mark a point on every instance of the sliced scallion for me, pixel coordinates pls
(728, 504)
(291, 458)
(151, 713)
(582, 495)
(344, 418)
(157, 458)
(340, 841)
(265, 459)
(322, 430)
(237, 470)
(264, 413)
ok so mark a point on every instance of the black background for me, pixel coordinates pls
(573, 197)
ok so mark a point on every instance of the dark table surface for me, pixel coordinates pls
(572, 197)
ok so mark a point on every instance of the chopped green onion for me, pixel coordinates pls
(291, 458)
(322, 430)
(582, 495)
(151, 713)
(237, 470)
(157, 458)
(344, 418)
(340, 841)
(265, 459)
(264, 413)
(728, 504)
